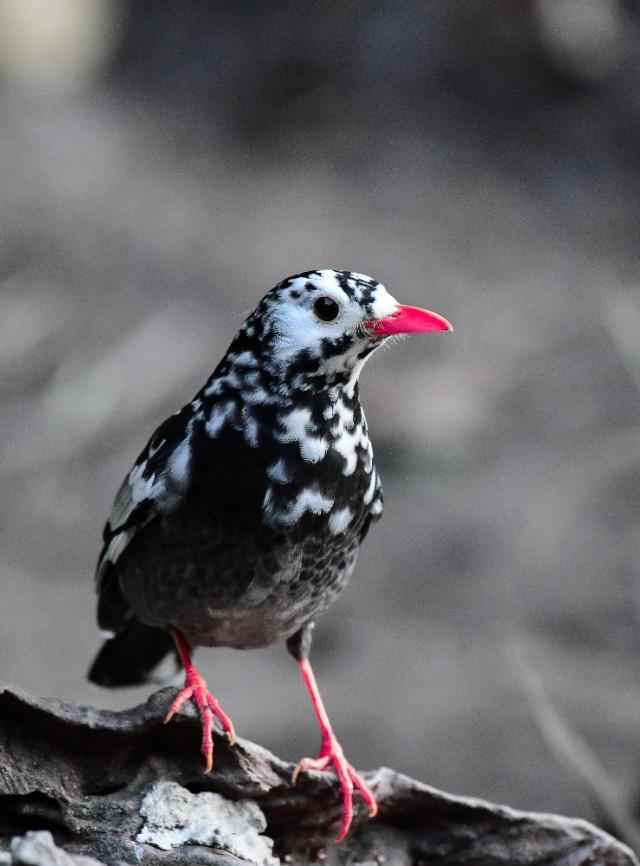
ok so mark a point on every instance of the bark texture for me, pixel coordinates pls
(82, 787)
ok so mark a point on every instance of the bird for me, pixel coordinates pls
(240, 522)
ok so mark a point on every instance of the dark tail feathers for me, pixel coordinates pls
(129, 658)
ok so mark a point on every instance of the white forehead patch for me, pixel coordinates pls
(384, 303)
(323, 281)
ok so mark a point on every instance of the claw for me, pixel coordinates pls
(181, 698)
(331, 754)
(195, 689)
(222, 717)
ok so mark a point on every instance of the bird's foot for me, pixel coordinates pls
(195, 689)
(331, 754)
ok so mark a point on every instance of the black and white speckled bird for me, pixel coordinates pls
(240, 522)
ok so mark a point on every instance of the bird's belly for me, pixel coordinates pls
(237, 590)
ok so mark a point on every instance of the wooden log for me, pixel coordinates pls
(122, 788)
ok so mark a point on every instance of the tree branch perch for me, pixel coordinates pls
(121, 788)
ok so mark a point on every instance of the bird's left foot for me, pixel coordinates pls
(331, 754)
(196, 690)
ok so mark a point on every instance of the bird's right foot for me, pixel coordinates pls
(195, 689)
(331, 755)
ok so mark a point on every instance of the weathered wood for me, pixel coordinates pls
(122, 788)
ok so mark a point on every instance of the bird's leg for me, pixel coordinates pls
(195, 689)
(331, 753)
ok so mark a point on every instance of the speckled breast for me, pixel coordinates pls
(233, 584)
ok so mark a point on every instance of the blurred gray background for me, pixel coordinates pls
(163, 165)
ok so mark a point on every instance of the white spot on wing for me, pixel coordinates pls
(346, 447)
(368, 463)
(141, 488)
(229, 380)
(298, 427)
(344, 413)
(339, 520)
(346, 443)
(219, 417)
(214, 388)
(246, 359)
(257, 397)
(368, 496)
(179, 463)
(154, 447)
(297, 424)
(313, 448)
(278, 472)
(309, 499)
(250, 427)
(116, 546)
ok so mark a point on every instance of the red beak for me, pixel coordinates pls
(407, 320)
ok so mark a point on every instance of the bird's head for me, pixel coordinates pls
(318, 328)
(288, 385)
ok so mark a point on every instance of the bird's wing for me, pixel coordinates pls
(155, 485)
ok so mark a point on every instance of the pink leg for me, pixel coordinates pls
(195, 689)
(331, 754)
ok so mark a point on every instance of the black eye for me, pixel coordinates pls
(326, 309)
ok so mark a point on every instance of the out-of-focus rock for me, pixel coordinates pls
(58, 46)
(584, 39)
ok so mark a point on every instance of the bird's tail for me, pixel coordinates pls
(130, 657)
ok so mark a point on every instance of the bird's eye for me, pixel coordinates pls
(326, 309)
